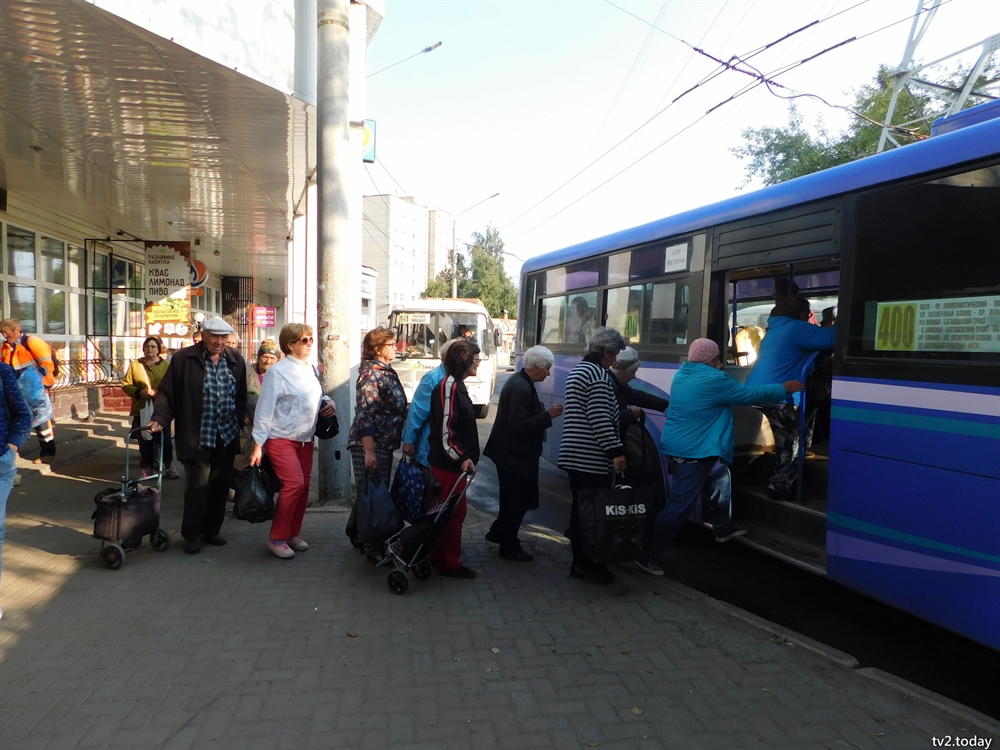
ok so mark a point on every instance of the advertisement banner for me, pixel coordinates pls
(168, 277)
(265, 317)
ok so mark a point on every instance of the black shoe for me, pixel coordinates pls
(601, 575)
(193, 546)
(460, 572)
(577, 571)
(727, 534)
(492, 538)
(518, 556)
(216, 540)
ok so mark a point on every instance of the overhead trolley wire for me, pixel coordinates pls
(709, 77)
(759, 80)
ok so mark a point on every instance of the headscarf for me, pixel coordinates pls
(703, 351)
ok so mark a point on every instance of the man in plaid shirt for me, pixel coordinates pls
(205, 391)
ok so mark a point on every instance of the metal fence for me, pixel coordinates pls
(98, 372)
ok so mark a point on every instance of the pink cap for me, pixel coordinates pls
(703, 351)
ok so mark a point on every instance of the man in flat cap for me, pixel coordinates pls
(205, 392)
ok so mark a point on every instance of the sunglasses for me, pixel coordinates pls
(307, 340)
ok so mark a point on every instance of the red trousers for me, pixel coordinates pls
(292, 463)
(448, 552)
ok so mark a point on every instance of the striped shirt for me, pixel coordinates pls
(218, 418)
(590, 421)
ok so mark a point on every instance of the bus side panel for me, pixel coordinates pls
(913, 512)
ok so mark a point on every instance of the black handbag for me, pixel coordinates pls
(327, 427)
(254, 496)
(617, 522)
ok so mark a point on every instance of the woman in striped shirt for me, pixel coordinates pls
(591, 447)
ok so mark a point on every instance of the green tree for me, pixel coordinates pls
(483, 277)
(777, 154)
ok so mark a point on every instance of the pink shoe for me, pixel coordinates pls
(280, 548)
(298, 544)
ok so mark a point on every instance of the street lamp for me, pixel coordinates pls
(425, 49)
(454, 255)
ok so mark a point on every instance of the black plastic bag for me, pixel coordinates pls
(378, 517)
(254, 496)
(617, 522)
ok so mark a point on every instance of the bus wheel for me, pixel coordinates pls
(482, 411)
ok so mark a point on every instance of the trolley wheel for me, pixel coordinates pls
(422, 570)
(398, 584)
(160, 540)
(113, 556)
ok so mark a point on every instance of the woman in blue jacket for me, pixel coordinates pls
(789, 342)
(698, 441)
(15, 425)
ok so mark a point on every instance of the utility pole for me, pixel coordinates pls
(454, 250)
(334, 158)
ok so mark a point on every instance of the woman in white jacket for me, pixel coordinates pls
(283, 427)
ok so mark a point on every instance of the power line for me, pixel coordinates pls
(760, 79)
(382, 164)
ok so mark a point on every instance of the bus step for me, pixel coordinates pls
(803, 521)
(789, 550)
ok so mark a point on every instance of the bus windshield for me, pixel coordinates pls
(421, 334)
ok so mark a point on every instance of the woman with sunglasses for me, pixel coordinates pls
(380, 412)
(283, 427)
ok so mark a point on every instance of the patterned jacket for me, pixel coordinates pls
(380, 409)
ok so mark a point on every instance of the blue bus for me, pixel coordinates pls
(902, 491)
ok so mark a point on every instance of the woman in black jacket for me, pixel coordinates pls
(515, 446)
(454, 447)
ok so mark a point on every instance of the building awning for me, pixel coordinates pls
(105, 121)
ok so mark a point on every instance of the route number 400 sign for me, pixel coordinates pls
(956, 324)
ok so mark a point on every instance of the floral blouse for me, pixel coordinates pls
(380, 411)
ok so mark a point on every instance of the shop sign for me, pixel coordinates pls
(168, 276)
(265, 317)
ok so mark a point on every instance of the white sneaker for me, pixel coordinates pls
(648, 567)
(280, 549)
(171, 473)
(17, 480)
(298, 544)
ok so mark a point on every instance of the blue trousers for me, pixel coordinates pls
(687, 483)
(8, 470)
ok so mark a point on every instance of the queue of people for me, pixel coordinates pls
(212, 396)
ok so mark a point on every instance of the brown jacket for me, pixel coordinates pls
(181, 394)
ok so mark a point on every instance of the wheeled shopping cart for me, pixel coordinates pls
(127, 513)
(407, 551)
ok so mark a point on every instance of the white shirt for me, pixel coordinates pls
(289, 402)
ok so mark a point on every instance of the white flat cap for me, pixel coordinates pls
(217, 326)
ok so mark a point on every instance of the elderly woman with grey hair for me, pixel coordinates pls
(515, 445)
(631, 401)
(591, 446)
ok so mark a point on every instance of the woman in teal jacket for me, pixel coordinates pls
(789, 343)
(698, 441)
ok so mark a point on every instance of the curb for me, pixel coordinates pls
(932, 699)
(787, 636)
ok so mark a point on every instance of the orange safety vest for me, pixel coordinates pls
(37, 353)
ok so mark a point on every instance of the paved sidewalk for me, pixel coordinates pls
(234, 648)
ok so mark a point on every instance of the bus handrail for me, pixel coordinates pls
(803, 376)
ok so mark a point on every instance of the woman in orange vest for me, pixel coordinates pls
(21, 351)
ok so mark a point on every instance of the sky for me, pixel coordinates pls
(521, 96)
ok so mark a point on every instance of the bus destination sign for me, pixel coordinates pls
(952, 324)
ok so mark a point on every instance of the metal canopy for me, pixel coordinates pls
(104, 121)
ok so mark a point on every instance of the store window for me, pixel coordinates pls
(22, 306)
(53, 261)
(77, 267)
(20, 253)
(53, 311)
(99, 271)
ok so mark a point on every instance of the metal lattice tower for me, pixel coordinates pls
(905, 78)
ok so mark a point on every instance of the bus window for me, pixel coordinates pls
(624, 312)
(666, 313)
(569, 319)
(468, 326)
